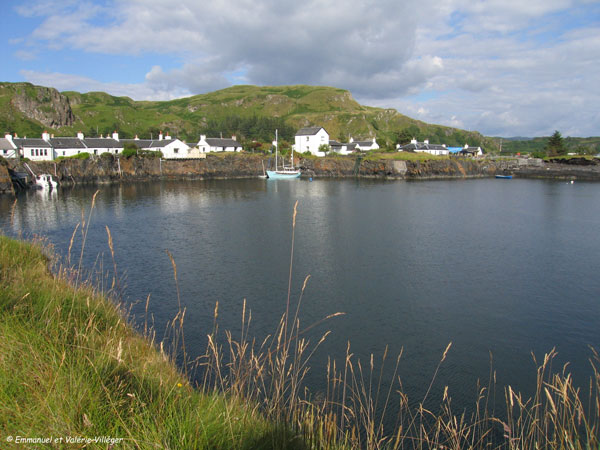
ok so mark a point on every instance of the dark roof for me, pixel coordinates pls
(422, 146)
(364, 143)
(67, 142)
(308, 131)
(334, 143)
(5, 144)
(140, 143)
(218, 142)
(102, 143)
(31, 142)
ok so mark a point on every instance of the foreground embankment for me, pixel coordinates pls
(74, 373)
(110, 170)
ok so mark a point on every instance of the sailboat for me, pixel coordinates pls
(286, 172)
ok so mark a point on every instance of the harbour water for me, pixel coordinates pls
(502, 269)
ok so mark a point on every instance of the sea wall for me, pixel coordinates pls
(111, 170)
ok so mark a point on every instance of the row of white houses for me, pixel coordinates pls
(437, 149)
(309, 139)
(48, 147)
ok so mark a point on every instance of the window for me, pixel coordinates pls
(116, 151)
(45, 152)
(64, 153)
(95, 151)
(32, 152)
(175, 150)
(307, 138)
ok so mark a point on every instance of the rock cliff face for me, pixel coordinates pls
(46, 105)
(107, 170)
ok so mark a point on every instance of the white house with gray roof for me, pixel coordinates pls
(35, 149)
(309, 139)
(424, 147)
(206, 145)
(170, 148)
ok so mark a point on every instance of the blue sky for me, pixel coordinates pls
(501, 67)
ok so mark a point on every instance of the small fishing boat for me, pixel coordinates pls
(46, 182)
(505, 177)
(286, 172)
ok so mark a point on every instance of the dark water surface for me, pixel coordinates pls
(493, 266)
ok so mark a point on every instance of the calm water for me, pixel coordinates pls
(507, 267)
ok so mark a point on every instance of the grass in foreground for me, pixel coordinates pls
(70, 366)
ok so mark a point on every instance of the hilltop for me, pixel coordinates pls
(250, 112)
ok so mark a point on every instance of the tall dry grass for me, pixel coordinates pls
(363, 408)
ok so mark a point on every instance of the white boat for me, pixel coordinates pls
(286, 172)
(45, 181)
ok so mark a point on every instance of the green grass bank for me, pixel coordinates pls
(72, 368)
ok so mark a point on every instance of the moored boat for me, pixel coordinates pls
(45, 181)
(286, 172)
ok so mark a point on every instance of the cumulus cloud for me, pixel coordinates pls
(506, 67)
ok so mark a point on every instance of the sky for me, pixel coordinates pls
(500, 67)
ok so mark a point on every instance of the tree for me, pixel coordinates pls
(324, 148)
(555, 145)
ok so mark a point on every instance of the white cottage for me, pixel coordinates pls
(424, 147)
(366, 145)
(206, 145)
(310, 139)
(35, 149)
(170, 148)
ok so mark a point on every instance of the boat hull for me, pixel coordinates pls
(283, 175)
(505, 177)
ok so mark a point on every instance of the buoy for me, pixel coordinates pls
(310, 179)
(572, 181)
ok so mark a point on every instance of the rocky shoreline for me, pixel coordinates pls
(114, 170)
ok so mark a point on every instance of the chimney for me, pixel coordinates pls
(374, 141)
(45, 136)
(8, 137)
(168, 136)
(426, 141)
(136, 138)
(444, 145)
(202, 137)
(234, 138)
(466, 145)
(351, 140)
(115, 136)
(413, 141)
(79, 135)
(160, 136)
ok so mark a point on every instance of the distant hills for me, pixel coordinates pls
(249, 112)
(589, 145)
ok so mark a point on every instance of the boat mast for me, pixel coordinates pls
(275, 148)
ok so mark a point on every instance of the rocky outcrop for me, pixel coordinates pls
(46, 105)
(108, 170)
(6, 185)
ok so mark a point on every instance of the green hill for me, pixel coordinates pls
(249, 112)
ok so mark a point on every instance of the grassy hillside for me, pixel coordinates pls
(250, 112)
